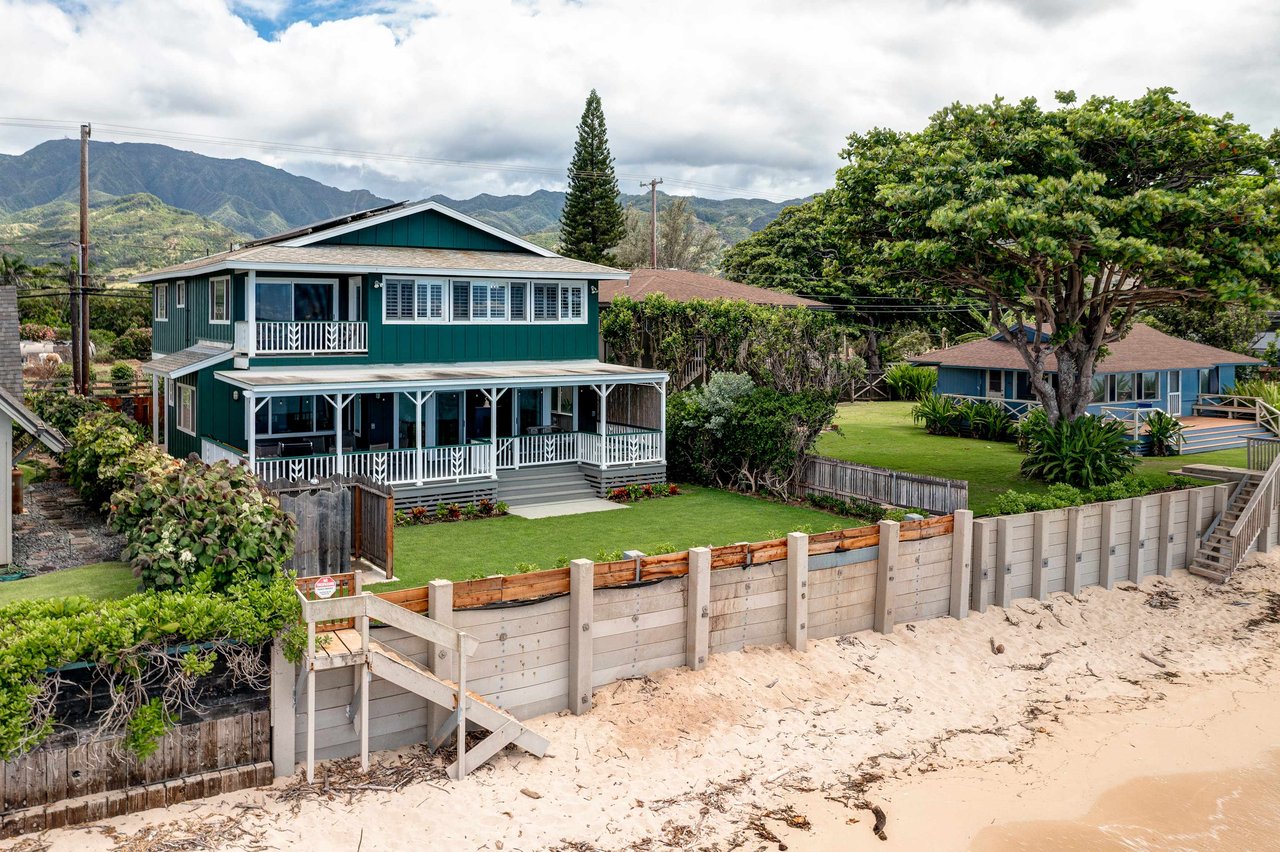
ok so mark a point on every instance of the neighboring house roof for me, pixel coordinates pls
(1143, 349)
(297, 251)
(683, 286)
(189, 360)
(13, 408)
(380, 377)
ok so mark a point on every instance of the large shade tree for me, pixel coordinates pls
(1069, 221)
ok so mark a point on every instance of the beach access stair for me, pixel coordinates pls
(1244, 517)
(338, 637)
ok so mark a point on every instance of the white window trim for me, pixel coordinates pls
(160, 303)
(290, 281)
(225, 281)
(182, 391)
(447, 317)
(180, 294)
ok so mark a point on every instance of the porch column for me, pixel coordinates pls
(492, 395)
(155, 409)
(662, 421)
(251, 407)
(338, 401)
(251, 311)
(419, 400)
(603, 391)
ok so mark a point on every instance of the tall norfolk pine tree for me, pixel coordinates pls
(592, 222)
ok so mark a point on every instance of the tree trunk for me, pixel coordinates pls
(873, 349)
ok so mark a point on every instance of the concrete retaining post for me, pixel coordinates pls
(1107, 545)
(697, 644)
(1004, 562)
(797, 590)
(980, 572)
(443, 665)
(1137, 544)
(284, 676)
(1195, 508)
(1039, 554)
(1264, 535)
(581, 604)
(1164, 562)
(961, 561)
(887, 564)
(1075, 549)
(1221, 495)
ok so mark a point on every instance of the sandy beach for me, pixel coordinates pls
(1141, 717)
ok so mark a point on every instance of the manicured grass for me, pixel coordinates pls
(883, 434)
(101, 581)
(698, 516)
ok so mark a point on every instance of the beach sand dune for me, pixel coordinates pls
(959, 747)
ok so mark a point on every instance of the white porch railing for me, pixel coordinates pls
(1016, 407)
(633, 448)
(553, 448)
(1132, 418)
(303, 338)
(1229, 404)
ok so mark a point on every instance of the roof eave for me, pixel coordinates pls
(376, 269)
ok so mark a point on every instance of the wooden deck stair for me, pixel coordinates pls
(1215, 557)
(347, 647)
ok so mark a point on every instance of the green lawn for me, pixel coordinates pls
(882, 434)
(100, 581)
(698, 516)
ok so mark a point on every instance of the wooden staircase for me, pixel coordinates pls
(1216, 557)
(371, 658)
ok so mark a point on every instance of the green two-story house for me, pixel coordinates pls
(410, 344)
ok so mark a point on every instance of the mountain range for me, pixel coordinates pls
(152, 205)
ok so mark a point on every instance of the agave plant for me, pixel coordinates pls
(940, 415)
(1086, 452)
(1164, 431)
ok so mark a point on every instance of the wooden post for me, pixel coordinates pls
(581, 604)
(797, 590)
(366, 679)
(1195, 508)
(1004, 561)
(980, 572)
(1039, 554)
(1075, 549)
(886, 565)
(283, 712)
(357, 521)
(461, 702)
(1164, 564)
(439, 608)
(1221, 494)
(1106, 544)
(961, 561)
(390, 532)
(697, 643)
(1137, 544)
(311, 701)
(1264, 535)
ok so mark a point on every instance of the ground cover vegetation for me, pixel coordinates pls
(207, 544)
(1071, 221)
(784, 348)
(449, 512)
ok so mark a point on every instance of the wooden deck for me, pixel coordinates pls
(1190, 424)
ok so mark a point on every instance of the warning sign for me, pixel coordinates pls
(325, 587)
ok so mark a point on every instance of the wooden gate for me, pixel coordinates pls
(374, 512)
(339, 519)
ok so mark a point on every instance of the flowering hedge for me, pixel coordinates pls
(635, 491)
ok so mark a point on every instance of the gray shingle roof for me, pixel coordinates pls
(178, 364)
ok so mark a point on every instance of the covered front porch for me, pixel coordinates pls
(421, 426)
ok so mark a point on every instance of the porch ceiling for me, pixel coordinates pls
(281, 380)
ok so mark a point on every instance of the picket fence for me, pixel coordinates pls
(849, 481)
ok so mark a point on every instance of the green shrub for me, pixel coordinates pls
(1268, 392)
(63, 410)
(1061, 496)
(1085, 452)
(95, 463)
(988, 421)
(123, 378)
(133, 345)
(1032, 424)
(38, 332)
(910, 382)
(1165, 433)
(940, 415)
(847, 508)
(198, 519)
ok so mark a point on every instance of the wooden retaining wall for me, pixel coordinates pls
(549, 638)
(68, 785)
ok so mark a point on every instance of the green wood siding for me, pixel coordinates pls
(219, 416)
(427, 229)
(181, 444)
(188, 325)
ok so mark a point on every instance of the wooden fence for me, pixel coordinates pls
(68, 785)
(850, 481)
(1262, 452)
(339, 518)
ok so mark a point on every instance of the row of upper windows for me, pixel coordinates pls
(219, 300)
(447, 300)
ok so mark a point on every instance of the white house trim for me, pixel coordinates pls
(353, 269)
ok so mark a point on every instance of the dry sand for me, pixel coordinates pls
(1094, 729)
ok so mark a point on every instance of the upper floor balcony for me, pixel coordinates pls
(302, 337)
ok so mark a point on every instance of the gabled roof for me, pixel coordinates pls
(1142, 349)
(12, 407)
(683, 286)
(186, 361)
(302, 250)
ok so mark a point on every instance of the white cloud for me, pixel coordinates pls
(745, 94)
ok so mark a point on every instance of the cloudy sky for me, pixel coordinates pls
(718, 97)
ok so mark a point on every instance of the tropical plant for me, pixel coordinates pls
(684, 242)
(939, 415)
(988, 420)
(1164, 432)
(1268, 392)
(100, 443)
(1029, 426)
(61, 410)
(1086, 452)
(909, 382)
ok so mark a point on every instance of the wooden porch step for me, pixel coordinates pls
(1208, 572)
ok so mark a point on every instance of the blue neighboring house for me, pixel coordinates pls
(1146, 370)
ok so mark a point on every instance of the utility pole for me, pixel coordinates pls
(653, 221)
(82, 357)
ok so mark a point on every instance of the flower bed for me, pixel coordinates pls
(635, 491)
(451, 512)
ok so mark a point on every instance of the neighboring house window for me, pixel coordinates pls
(180, 294)
(162, 302)
(1148, 386)
(219, 300)
(430, 295)
(1206, 380)
(399, 298)
(187, 409)
(995, 381)
(488, 301)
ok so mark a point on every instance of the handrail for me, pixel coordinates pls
(366, 605)
(1256, 514)
(1235, 492)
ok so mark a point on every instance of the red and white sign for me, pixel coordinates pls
(325, 587)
